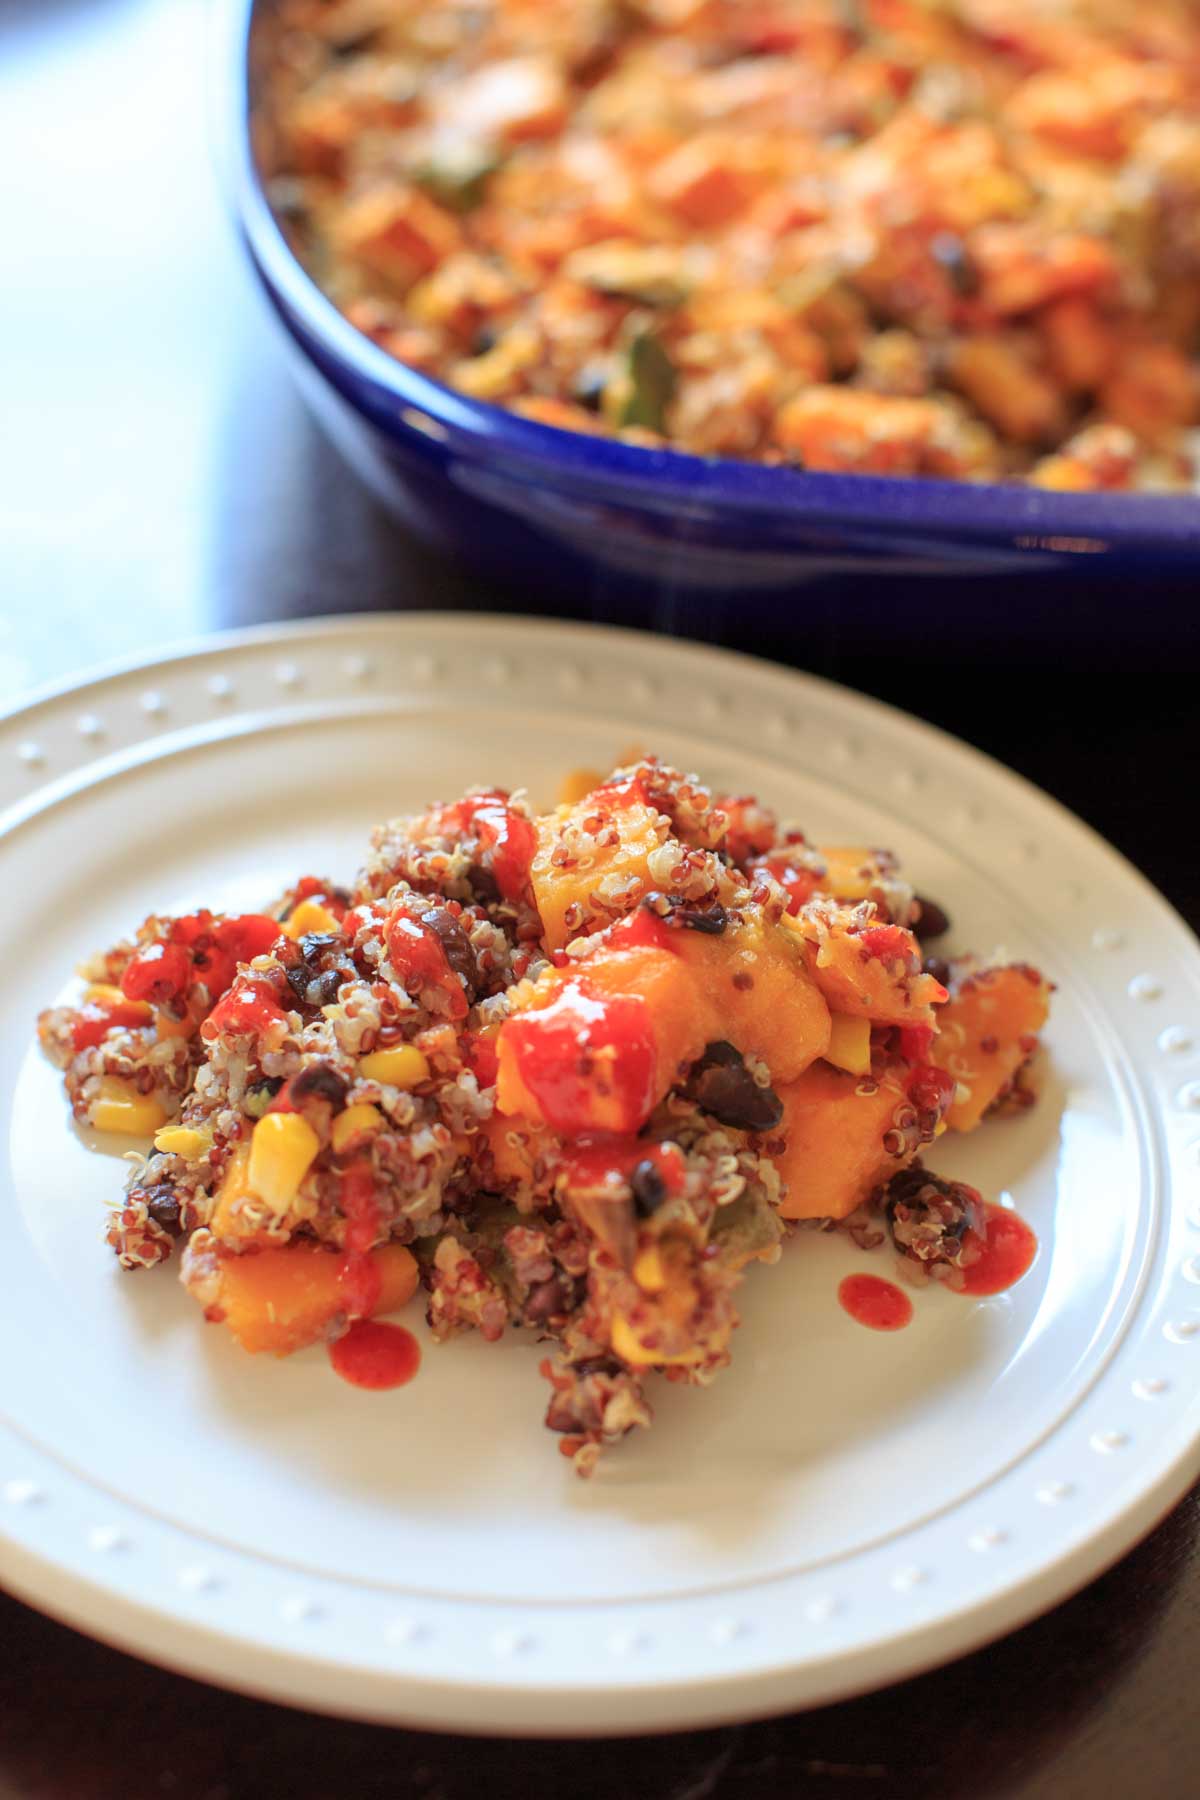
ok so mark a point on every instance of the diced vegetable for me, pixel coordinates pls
(849, 1044)
(986, 1031)
(649, 384)
(835, 1125)
(403, 1066)
(121, 1108)
(758, 993)
(283, 1148)
(279, 1300)
(579, 889)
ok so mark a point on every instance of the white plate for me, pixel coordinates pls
(842, 1508)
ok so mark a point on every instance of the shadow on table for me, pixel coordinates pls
(1070, 1705)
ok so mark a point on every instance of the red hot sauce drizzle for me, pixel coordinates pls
(874, 1302)
(376, 1355)
(371, 1354)
(1008, 1250)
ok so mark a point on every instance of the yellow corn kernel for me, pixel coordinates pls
(283, 1148)
(310, 915)
(183, 1140)
(850, 1044)
(627, 1346)
(168, 1027)
(121, 1108)
(101, 993)
(402, 1067)
(649, 1270)
(357, 1121)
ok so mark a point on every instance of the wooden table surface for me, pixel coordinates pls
(158, 479)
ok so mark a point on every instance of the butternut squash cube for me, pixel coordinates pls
(756, 991)
(985, 1032)
(835, 1125)
(279, 1300)
(598, 875)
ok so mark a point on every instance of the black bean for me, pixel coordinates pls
(320, 1081)
(595, 1365)
(952, 255)
(259, 1097)
(298, 979)
(589, 387)
(323, 989)
(709, 919)
(460, 953)
(547, 1299)
(938, 967)
(485, 339)
(932, 921)
(314, 943)
(484, 885)
(726, 1089)
(649, 1188)
(163, 1207)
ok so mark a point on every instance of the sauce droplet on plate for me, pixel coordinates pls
(874, 1302)
(375, 1355)
(1009, 1248)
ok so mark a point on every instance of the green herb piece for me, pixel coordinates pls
(651, 377)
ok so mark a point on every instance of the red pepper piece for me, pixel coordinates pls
(419, 959)
(915, 1041)
(512, 841)
(643, 930)
(611, 796)
(158, 975)
(94, 1021)
(248, 1008)
(744, 839)
(588, 1060)
(797, 883)
(247, 935)
(480, 1053)
(888, 942)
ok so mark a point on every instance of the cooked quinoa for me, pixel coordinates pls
(570, 1072)
(957, 240)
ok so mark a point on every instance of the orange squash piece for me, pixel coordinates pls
(514, 1145)
(985, 1032)
(873, 973)
(676, 1012)
(852, 872)
(835, 1126)
(758, 994)
(565, 895)
(279, 1300)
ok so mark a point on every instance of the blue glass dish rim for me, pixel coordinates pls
(918, 506)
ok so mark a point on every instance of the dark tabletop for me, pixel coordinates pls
(159, 479)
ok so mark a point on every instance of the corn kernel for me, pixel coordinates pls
(627, 1346)
(310, 915)
(101, 993)
(402, 1067)
(356, 1122)
(168, 1027)
(649, 1271)
(183, 1140)
(283, 1149)
(850, 1044)
(121, 1108)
